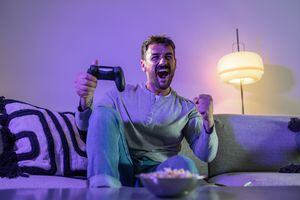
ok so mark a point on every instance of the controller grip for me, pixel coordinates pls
(119, 79)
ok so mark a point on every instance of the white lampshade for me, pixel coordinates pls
(240, 66)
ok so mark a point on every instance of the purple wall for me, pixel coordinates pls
(44, 44)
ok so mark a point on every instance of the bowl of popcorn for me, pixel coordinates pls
(170, 182)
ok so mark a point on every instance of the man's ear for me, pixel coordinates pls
(143, 65)
(175, 63)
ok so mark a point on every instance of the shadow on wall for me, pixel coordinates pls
(269, 95)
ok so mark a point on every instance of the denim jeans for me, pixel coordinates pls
(109, 161)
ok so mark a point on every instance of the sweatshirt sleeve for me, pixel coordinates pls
(203, 144)
(82, 119)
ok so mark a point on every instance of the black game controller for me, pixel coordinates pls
(109, 73)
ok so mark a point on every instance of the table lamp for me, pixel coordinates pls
(240, 67)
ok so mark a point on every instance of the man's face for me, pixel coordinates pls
(159, 65)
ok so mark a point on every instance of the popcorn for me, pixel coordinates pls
(170, 173)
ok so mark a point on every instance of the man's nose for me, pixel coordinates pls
(162, 61)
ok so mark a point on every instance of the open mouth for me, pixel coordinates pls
(163, 73)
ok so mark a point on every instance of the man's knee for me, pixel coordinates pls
(101, 113)
(104, 120)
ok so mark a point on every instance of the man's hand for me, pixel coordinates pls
(204, 105)
(85, 85)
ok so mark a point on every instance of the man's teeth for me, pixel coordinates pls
(163, 70)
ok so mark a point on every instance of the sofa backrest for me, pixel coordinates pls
(253, 143)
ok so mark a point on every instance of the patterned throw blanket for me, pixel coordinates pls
(36, 140)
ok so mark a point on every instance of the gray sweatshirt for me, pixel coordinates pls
(155, 125)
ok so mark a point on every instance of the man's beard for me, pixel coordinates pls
(163, 76)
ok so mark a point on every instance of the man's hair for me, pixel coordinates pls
(156, 39)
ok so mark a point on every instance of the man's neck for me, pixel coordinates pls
(157, 91)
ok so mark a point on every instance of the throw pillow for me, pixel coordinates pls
(39, 141)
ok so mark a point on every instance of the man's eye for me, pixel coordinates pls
(154, 58)
(169, 57)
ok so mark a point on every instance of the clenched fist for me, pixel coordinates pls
(85, 85)
(204, 105)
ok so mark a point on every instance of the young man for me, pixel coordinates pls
(141, 129)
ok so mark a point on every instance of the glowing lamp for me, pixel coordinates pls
(241, 67)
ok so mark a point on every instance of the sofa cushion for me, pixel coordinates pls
(257, 179)
(42, 181)
(42, 141)
(253, 143)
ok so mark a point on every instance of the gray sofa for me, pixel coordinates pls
(251, 151)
